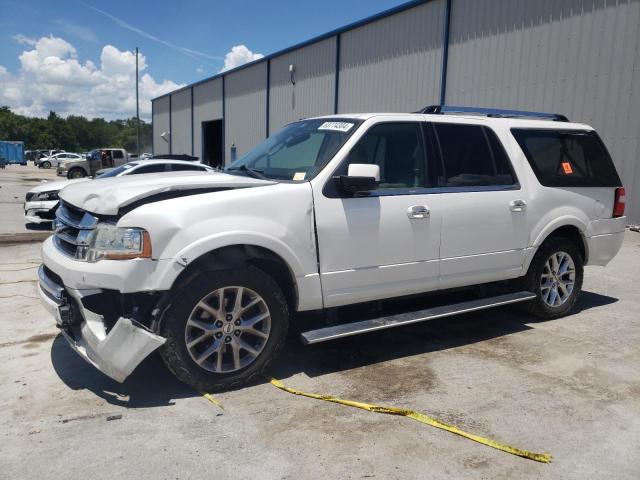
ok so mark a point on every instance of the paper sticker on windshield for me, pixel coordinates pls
(337, 126)
(299, 176)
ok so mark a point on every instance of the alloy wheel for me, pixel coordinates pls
(228, 329)
(558, 279)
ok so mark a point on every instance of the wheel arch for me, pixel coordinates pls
(571, 230)
(229, 257)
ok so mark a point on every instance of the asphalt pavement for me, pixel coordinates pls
(569, 387)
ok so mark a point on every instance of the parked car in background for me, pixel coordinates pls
(54, 160)
(12, 152)
(44, 160)
(41, 202)
(94, 161)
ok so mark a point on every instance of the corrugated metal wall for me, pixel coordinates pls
(580, 58)
(314, 77)
(393, 64)
(245, 108)
(160, 124)
(207, 105)
(181, 122)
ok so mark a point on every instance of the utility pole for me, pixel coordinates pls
(137, 109)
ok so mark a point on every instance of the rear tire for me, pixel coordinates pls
(213, 339)
(555, 276)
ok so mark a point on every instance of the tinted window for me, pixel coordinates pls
(397, 149)
(154, 168)
(178, 167)
(471, 156)
(117, 154)
(568, 158)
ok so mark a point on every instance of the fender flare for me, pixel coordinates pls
(228, 239)
(549, 228)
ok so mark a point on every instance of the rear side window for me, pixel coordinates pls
(568, 158)
(471, 156)
(117, 154)
(153, 168)
(180, 167)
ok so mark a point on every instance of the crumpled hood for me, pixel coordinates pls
(107, 196)
(55, 186)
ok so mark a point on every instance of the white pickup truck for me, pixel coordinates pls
(331, 211)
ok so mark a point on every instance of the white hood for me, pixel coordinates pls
(107, 195)
(55, 186)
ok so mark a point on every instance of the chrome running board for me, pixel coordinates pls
(372, 325)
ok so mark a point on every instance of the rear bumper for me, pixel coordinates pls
(604, 239)
(602, 248)
(117, 352)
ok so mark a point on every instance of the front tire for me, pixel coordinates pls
(224, 329)
(45, 165)
(555, 276)
(76, 173)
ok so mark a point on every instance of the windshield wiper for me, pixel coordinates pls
(252, 172)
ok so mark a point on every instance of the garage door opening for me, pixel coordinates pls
(212, 143)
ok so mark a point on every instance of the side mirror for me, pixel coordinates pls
(361, 177)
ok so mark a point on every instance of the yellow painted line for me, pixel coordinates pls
(212, 399)
(422, 418)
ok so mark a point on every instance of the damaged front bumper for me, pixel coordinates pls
(116, 352)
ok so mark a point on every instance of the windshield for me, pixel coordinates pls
(114, 172)
(298, 151)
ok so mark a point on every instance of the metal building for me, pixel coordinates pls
(577, 57)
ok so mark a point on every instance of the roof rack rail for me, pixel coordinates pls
(494, 112)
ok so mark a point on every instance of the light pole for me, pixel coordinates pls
(137, 109)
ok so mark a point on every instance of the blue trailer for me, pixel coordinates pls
(11, 152)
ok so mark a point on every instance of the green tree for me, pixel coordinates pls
(74, 133)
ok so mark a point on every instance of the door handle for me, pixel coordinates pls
(518, 205)
(418, 212)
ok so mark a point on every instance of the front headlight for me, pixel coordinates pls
(118, 243)
(45, 196)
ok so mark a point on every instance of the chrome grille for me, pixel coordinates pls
(74, 228)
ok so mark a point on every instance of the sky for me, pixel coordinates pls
(77, 57)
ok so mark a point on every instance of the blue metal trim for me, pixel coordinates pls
(170, 127)
(191, 121)
(346, 28)
(268, 85)
(224, 121)
(337, 84)
(445, 52)
(153, 130)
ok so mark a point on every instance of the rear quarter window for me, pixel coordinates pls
(567, 158)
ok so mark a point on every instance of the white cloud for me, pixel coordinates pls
(239, 55)
(51, 77)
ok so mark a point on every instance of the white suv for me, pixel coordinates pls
(329, 212)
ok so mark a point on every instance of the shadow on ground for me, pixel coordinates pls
(152, 385)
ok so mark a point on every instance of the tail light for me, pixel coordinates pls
(618, 205)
